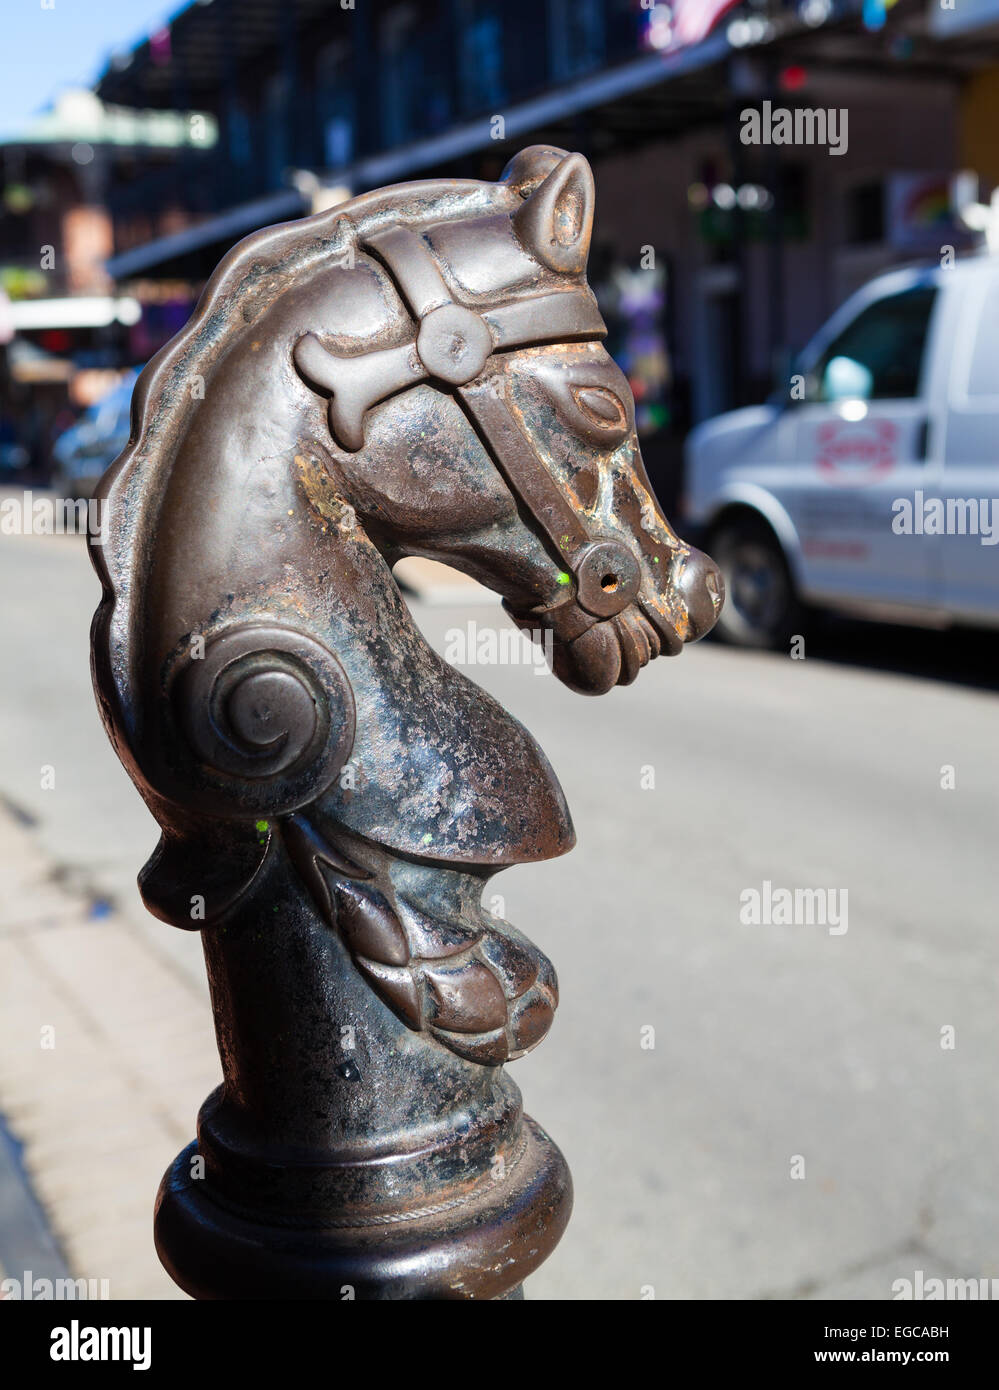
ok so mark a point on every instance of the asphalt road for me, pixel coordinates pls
(778, 1049)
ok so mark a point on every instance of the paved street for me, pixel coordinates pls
(798, 1129)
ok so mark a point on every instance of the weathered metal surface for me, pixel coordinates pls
(417, 372)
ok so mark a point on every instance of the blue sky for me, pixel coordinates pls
(42, 50)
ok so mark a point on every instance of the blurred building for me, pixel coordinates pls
(64, 327)
(713, 257)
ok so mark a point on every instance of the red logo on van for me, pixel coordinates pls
(857, 452)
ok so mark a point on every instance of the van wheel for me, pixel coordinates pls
(761, 608)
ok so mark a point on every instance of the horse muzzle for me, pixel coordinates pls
(702, 587)
(608, 629)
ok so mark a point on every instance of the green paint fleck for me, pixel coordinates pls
(655, 559)
(262, 827)
(564, 578)
(428, 838)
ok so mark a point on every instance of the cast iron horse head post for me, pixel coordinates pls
(416, 372)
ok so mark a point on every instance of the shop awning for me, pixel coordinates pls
(404, 162)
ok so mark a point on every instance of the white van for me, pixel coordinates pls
(873, 486)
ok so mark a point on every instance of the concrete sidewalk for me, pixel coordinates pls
(106, 1052)
(28, 1247)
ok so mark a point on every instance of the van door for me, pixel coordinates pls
(859, 443)
(969, 476)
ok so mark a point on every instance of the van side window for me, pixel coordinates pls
(879, 356)
(983, 376)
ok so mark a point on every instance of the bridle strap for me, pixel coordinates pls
(407, 258)
(452, 342)
(452, 349)
(606, 572)
(529, 481)
(564, 316)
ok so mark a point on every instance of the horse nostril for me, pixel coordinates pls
(703, 591)
(609, 583)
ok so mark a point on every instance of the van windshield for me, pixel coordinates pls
(879, 356)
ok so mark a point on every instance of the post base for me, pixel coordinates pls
(477, 1244)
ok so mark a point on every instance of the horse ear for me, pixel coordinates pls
(556, 221)
(530, 167)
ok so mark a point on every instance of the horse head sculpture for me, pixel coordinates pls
(419, 371)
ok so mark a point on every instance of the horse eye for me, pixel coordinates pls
(601, 407)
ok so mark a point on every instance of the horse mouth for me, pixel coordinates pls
(607, 653)
(641, 640)
(614, 651)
